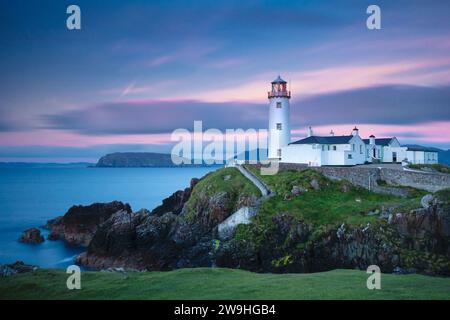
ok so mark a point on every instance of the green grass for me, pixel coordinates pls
(206, 283)
(329, 205)
(236, 186)
(434, 167)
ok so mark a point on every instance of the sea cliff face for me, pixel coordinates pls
(80, 223)
(183, 232)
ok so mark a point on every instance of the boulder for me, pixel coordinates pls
(7, 270)
(315, 184)
(80, 223)
(296, 190)
(32, 236)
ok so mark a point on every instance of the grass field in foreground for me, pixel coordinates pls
(207, 283)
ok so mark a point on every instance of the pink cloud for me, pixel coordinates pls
(431, 132)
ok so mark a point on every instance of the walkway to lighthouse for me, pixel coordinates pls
(263, 188)
(244, 214)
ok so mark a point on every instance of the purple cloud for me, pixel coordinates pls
(378, 105)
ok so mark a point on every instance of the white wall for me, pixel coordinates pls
(422, 157)
(388, 153)
(369, 152)
(301, 153)
(278, 138)
(325, 155)
(431, 157)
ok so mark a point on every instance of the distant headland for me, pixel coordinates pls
(136, 160)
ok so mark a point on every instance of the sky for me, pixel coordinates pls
(137, 70)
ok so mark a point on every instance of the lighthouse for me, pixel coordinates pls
(279, 127)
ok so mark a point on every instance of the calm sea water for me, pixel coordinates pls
(31, 196)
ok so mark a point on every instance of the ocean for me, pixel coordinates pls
(31, 195)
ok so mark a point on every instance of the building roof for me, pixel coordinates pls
(324, 140)
(278, 80)
(420, 148)
(379, 142)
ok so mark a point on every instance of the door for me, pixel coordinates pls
(394, 156)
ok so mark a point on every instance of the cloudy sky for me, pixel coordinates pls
(139, 69)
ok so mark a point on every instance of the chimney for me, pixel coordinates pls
(332, 133)
(355, 131)
(372, 140)
(310, 132)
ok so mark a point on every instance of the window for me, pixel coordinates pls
(353, 147)
(350, 156)
(360, 149)
(323, 147)
(279, 105)
(334, 148)
(328, 148)
(278, 126)
(279, 153)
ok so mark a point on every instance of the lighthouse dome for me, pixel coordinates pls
(278, 80)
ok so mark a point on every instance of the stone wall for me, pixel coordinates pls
(428, 181)
(367, 177)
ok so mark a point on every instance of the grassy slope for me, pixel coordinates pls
(204, 283)
(237, 186)
(328, 206)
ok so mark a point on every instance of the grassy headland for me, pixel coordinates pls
(206, 283)
(333, 202)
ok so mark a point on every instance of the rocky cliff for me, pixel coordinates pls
(183, 232)
(80, 223)
(177, 234)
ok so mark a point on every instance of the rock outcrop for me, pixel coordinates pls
(174, 235)
(7, 270)
(418, 241)
(32, 236)
(80, 223)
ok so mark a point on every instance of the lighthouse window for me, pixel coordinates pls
(279, 152)
(279, 105)
(278, 126)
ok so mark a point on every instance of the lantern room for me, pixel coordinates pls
(279, 89)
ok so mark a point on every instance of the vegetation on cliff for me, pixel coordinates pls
(438, 167)
(317, 224)
(226, 181)
(217, 283)
(309, 196)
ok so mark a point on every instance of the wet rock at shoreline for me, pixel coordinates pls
(80, 223)
(32, 236)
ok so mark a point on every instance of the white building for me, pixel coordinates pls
(279, 124)
(326, 151)
(421, 155)
(388, 150)
(346, 150)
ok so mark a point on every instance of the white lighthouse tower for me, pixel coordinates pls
(279, 125)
